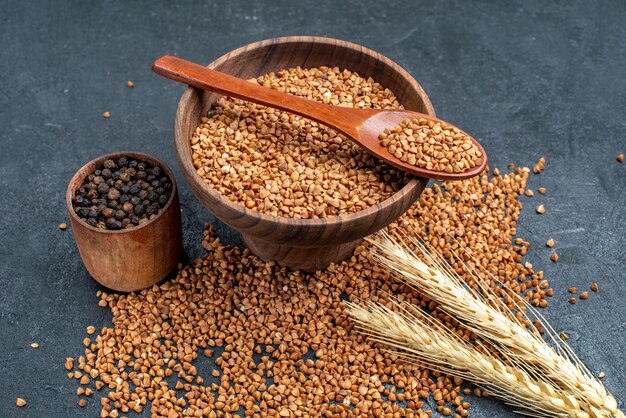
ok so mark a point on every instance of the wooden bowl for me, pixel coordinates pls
(134, 258)
(307, 244)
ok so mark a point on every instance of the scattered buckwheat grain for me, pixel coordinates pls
(620, 158)
(63, 226)
(106, 115)
(584, 295)
(554, 257)
(594, 287)
(20, 402)
(550, 243)
(279, 340)
(542, 190)
(540, 209)
(130, 84)
(538, 168)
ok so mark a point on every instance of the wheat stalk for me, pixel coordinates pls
(517, 343)
(422, 339)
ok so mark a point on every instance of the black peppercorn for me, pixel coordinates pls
(127, 207)
(139, 210)
(163, 200)
(156, 171)
(93, 213)
(141, 166)
(122, 162)
(110, 164)
(120, 214)
(113, 194)
(82, 212)
(92, 222)
(124, 198)
(152, 209)
(108, 213)
(106, 173)
(133, 189)
(125, 177)
(135, 200)
(153, 196)
(103, 189)
(143, 194)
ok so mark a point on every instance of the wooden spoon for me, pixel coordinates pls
(362, 126)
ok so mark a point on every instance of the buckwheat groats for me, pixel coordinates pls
(431, 145)
(285, 165)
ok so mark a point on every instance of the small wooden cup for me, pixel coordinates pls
(306, 244)
(134, 258)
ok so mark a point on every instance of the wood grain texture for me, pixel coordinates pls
(128, 259)
(363, 126)
(299, 243)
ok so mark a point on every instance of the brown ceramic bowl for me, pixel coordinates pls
(134, 258)
(307, 244)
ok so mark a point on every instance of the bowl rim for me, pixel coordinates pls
(336, 221)
(78, 177)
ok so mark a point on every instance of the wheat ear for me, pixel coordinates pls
(415, 337)
(440, 283)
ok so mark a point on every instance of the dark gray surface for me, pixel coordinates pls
(526, 78)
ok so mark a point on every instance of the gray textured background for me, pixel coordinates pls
(526, 78)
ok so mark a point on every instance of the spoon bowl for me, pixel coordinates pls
(363, 126)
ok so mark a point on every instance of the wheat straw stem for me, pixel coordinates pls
(417, 338)
(442, 285)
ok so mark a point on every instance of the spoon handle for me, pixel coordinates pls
(341, 119)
